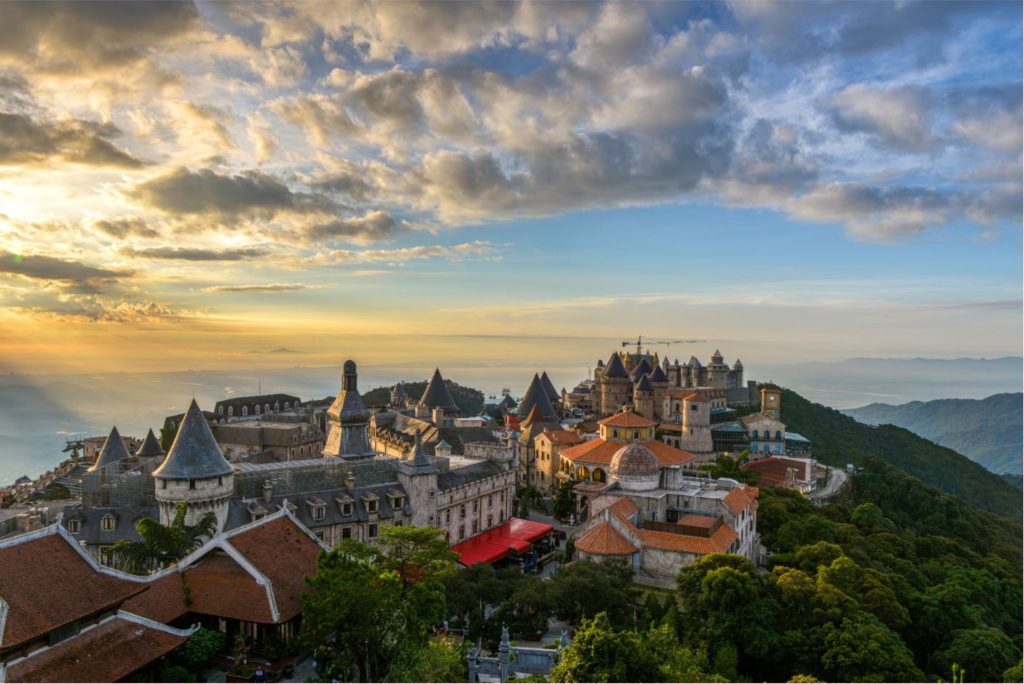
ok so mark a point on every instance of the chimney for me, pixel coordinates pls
(438, 417)
(350, 481)
(268, 491)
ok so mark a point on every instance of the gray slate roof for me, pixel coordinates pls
(615, 369)
(113, 451)
(536, 396)
(150, 447)
(437, 395)
(644, 384)
(467, 474)
(658, 374)
(549, 387)
(194, 454)
(91, 530)
(640, 369)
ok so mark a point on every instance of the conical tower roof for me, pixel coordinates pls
(399, 390)
(150, 447)
(644, 384)
(549, 387)
(437, 395)
(641, 369)
(420, 462)
(194, 454)
(536, 397)
(658, 375)
(615, 369)
(113, 451)
(738, 365)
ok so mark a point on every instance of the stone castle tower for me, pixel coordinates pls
(643, 397)
(194, 472)
(695, 424)
(348, 420)
(616, 389)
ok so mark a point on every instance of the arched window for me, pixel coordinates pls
(231, 410)
(107, 523)
(257, 409)
(598, 475)
(581, 473)
(778, 436)
(753, 448)
(277, 406)
(266, 408)
(245, 410)
(220, 410)
(286, 406)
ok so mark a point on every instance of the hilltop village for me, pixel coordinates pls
(616, 468)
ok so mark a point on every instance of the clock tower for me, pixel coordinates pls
(771, 402)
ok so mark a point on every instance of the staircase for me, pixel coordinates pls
(73, 480)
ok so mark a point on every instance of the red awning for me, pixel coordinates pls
(494, 544)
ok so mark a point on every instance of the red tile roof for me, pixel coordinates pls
(773, 470)
(560, 437)
(604, 540)
(106, 653)
(719, 542)
(286, 555)
(627, 419)
(31, 571)
(220, 586)
(694, 520)
(739, 498)
(163, 600)
(600, 452)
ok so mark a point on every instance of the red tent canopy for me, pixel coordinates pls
(493, 545)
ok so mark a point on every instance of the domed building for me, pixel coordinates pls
(636, 468)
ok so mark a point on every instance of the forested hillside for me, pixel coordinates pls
(839, 439)
(988, 431)
(470, 401)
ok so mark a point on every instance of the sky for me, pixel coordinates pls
(233, 185)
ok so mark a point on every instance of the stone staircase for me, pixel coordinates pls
(73, 480)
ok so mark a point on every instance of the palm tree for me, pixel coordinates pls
(162, 545)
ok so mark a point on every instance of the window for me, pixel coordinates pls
(286, 406)
(476, 505)
(163, 484)
(318, 513)
(693, 407)
(462, 531)
(754, 434)
(74, 526)
(476, 527)
(220, 481)
(191, 484)
(490, 520)
(346, 532)
(490, 500)
(220, 410)
(107, 523)
(448, 516)
(266, 408)
(398, 523)
(277, 406)
(371, 506)
(371, 532)
(636, 434)
(346, 509)
(396, 503)
(462, 511)
(257, 409)
(245, 410)
(231, 410)
(106, 555)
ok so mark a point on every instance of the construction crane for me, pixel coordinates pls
(640, 342)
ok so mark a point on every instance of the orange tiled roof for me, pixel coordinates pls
(163, 601)
(106, 653)
(559, 437)
(624, 509)
(604, 540)
(286, 555)
(719, 542)
(30, 573)
(600, 452)
(686, 393)
(627, 419)
(220, 586)
(739, 498)
(695, 520)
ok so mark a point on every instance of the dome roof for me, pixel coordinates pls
(634, 460)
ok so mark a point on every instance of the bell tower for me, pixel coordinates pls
(771, 402)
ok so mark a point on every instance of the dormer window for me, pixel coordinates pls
(319, 512)
(371, 506)
(74, 526)
(396, 503)
(107, 523)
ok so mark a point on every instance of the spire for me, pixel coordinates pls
(549, 387)
(437, 395)
(536, 397)
(615, 369)
(194, 454)
(150, 446)
(642, 368)
(113, 451)
(658, 375)
(644, 384)
(419, 455)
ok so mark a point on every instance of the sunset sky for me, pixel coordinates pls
(223, 185)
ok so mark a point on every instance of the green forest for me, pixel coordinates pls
(839, 439)
(470, 401)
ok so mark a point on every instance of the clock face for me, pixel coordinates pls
(771, 397)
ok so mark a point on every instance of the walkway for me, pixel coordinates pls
(837, 479)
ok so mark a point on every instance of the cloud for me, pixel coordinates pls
(457, 252)
(85, 37)
(201, 124)
(125, 227)
(279, 350)
(196, 254)
(373, 227)
(898, 117)
(70, 273)
(187, 192)
(26, 140)
(267, 287)
(875, 213)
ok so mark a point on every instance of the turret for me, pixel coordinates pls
(195, 473)
(113, 451)
(348, 418)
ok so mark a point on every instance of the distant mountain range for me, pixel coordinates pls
(988, 431)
